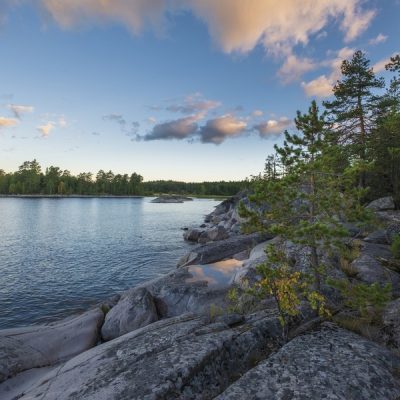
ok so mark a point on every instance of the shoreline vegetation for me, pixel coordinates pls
(32, 181)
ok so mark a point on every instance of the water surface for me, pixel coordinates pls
(59, 256)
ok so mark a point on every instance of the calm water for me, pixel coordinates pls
(58, 256)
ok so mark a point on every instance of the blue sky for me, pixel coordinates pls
(191, 90)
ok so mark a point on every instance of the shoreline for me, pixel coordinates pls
(72, 196)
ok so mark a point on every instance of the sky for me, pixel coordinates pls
(189, 90)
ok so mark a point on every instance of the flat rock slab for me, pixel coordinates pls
(217, 251)
(43, 345)
(180, 358)
(329, 364)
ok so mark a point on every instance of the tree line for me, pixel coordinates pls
(29, 179)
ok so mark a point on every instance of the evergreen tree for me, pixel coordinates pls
(353, 111)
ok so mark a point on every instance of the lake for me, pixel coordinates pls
(60, 256)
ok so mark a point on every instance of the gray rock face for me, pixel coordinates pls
(392, 231)
(212, 252)
(379, 236)
(180, 358)
(382, 204)
(43, 345)
(134, 310)
(391, 322)
(370, 269)
(328, 364)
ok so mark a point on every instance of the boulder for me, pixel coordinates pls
(192, 235)
(392, 231)
(379, 236)
(391, 324)
(382, 204)
(216, 251)
(330, 363)
(179, 358)
(134, 310)
(369, 268)
(217, 233)
(44, 345)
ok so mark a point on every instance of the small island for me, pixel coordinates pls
(171, 198)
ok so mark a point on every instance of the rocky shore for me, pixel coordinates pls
(175, 337)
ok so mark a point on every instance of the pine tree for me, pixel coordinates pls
(353, 111)
(305, 206)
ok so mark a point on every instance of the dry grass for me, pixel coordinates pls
(348, 256)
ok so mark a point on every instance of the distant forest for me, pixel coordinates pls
(29, 179)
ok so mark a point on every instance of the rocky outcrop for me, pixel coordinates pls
(391, 324)
(186, 357)
(170, 198)
(382, 204)
(369, 267)
(212, 252)
(43, 345)
(134, 310)
(328, 364)
(222, 223)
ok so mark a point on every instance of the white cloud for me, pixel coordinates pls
(62, 122)
(379, 39)
(272, 127)
(294, 67)
(380, 65)
(19, 110)
(322, 85)
(319, 87)
(7, 122)
(235, 25)
(218, 129)
(45, 129)
(181, 128)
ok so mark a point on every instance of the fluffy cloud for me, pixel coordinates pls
(239, 25)
(45, 129)
(218, 129)
(322, 86)
(257, 113)
(272, 127)
(181, 128)
(236, 25)
(381, 64)
(7, 122)
(379, 39)
(19, 110)
(319, 87)
(294, 67)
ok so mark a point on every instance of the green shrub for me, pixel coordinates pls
(396, 247)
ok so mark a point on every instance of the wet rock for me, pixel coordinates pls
(328, 364)
(179, 358)
(217, 251)
(135, 309)
(43, 345)
(382, 204)
(192, 235)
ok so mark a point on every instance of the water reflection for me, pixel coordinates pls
(216, 275)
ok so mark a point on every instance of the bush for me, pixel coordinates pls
(396, 247)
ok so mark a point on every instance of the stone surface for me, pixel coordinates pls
(382, 204)
(216, 251)
(379, 236)
(370, 270)
(391, 322)
(43, 345)
(179, 358)
(134, 310)
(328, 364)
